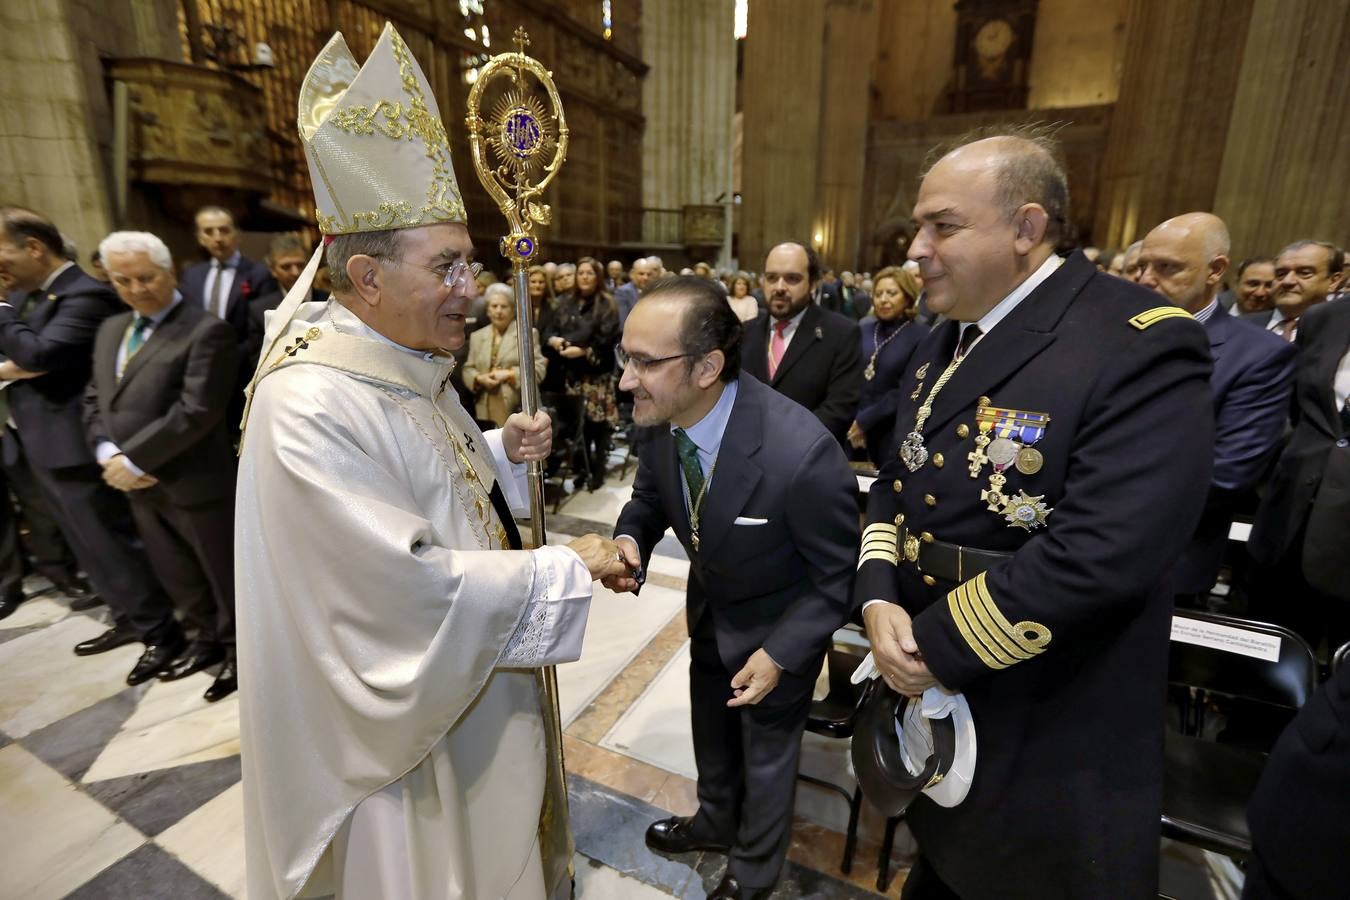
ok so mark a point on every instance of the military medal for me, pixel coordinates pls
(993, 496)
(1029, 461)
(694, 505)
(913, 453)
(1002, 452)
(978, 457)
(1026, 512)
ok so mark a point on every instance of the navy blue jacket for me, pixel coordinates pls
(1252, 382)
(781, 584)
(877, 403)
(1061, 649)
(57, 338)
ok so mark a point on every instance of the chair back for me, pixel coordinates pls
(1287, 681)
(1340, 658)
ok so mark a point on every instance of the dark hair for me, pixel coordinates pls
(1255, 260)
(813, 269)
(1335, 255)
(604, 303)
(21, 224)
(709, 322)
(379, 244)
(1031, 171)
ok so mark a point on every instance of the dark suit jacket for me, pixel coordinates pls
(57, 338)
(822, 369)
(1300, 811)
(831, 295)
(1252, 381)
(782, 585)
(876, 405)
(167, 412)
(1310, 488)
(1082, 609)
(252, 279)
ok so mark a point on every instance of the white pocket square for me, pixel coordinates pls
(750, 520)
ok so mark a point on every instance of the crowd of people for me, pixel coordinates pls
(125, 386)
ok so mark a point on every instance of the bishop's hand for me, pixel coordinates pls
(600, 555)
(526, 439)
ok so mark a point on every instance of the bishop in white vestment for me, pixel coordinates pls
(392, 740)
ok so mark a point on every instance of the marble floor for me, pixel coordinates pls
(110, 791)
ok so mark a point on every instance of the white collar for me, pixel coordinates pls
(56, 273)
(1016, 295)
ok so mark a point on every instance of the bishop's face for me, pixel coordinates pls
(416, 307)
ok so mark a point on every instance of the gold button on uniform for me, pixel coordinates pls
(926, 537)
(929, 580)
(896, 485)
(900, 519)
(938, 460)
(930, 499)
(984, 401)
(963, 431)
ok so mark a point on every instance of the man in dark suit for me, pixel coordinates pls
(226, 285)
(1302, 527)
(155, 416)
(1184, 259)
(627, 294)
(286, 259)
(1300, 811)
(800, 349)
(1056, 441)
(1254, 288)
(1306, 273)
(762, 498)
(47, 332)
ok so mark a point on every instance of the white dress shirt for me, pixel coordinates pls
(226, 276)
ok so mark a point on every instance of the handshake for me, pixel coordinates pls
(614, 563)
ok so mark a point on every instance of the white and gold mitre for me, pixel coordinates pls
(377, 150)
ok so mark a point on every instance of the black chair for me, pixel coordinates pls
(1340, 657)
(832, 717)
(1207, 785)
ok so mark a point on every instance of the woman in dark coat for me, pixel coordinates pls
(584, 331)
(889, 336)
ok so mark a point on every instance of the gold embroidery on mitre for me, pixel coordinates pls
(405, 193)
(996, 641)
(1151, 317)
(879, 543)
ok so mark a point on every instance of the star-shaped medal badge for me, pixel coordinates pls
(1026, 512)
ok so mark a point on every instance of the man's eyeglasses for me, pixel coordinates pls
(459, 272)
(641, 366)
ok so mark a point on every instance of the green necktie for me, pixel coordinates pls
(137, 337)
(687, 450)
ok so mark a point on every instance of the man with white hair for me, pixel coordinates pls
(392, 736)
(164, 375)
(47, 329)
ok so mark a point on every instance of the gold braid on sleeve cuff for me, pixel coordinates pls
(879, 542)
(997, 642)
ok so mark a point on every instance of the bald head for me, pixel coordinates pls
(1020, 169)
(1185, 258)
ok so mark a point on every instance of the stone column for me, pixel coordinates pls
(781, 99)
(1170, 125)
(688, 98)
(1286, 161)
(850, 44)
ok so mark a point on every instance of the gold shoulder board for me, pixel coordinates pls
(1150, 317)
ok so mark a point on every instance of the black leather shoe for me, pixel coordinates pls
(87, 602)
(197, 657)
(111, 639)
(730, 889)
(155, 657)
(73, 586)
(674, 835)
(10, 603)
(227, 682)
